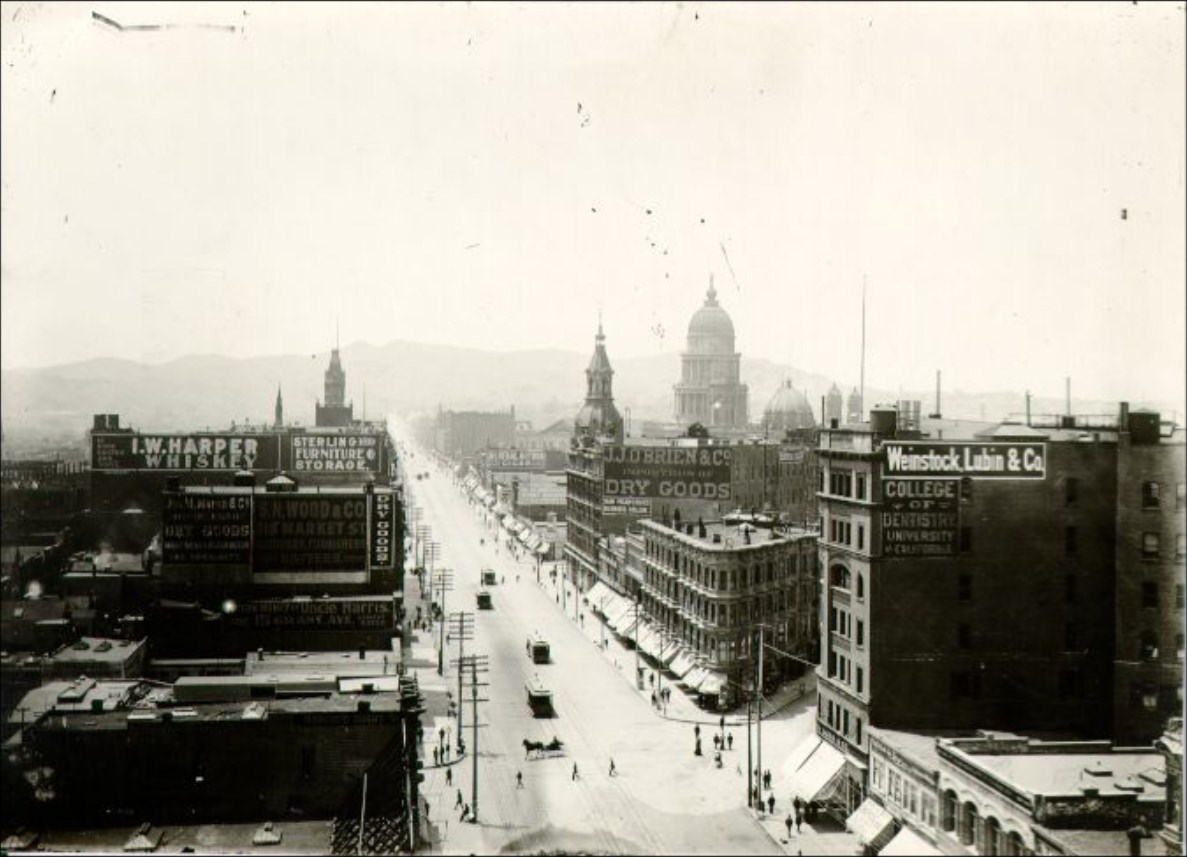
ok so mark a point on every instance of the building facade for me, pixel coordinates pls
(709, 587)
(956, 553)
(1150, 557)
(461, 434)
(710, 390)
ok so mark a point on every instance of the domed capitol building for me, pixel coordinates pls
(788, 411)
(710, 390)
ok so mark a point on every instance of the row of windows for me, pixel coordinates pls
(1152, 495)
(838, 717)
(1167, 698)
(903, 791)
(1151, 546)
(1150, 594)
(1148, 646)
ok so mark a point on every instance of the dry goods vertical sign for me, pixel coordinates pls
(383, 529)
(920, 517)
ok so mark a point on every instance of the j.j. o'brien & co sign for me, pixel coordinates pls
(977, 460)
(694, 473)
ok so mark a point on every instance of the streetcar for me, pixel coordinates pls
(484, 602)
(538, 649)
(539, 698)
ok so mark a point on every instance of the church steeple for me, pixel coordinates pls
(598, 418)
(279, 408)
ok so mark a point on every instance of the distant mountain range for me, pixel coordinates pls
(406, 378)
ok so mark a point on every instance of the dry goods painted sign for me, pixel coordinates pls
(675, 473)
(206, 529)
(977, 460)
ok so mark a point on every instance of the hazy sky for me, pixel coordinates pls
(493, 174)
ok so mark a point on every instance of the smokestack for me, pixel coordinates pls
(1067, 383)
(938, 413)
(1028, 407)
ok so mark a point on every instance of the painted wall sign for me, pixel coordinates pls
(920, 517)
(214, 451)
(672, 473)
(913, 459)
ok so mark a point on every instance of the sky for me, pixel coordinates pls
(1005, 181)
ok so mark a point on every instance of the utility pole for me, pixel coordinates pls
(442, 583)
(759, 727)
(461, 625)
(474, 664)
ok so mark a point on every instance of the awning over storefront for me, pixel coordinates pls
(525, 535)
(534, 542)
(818, 771)
(668, 652)
(624, 614)
(509, 522)
(872, 824)
(594, 595)
(648, 640)
(712, 684)
(908, 842)
(695, 676)
(682, 663)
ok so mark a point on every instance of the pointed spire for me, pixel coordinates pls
(601, 336)
(711, 297)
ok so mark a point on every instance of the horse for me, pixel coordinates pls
(530, 747)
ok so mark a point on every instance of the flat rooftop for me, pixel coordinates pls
(88, 650)
(1049, 772)
(732, 537)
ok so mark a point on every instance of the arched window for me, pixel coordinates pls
(839, 576)
(948, 810)
(993, 834)
(1014, 845)
(967, 828)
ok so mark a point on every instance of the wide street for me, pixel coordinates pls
(663, 799)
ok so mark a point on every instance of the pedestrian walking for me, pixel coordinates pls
(574, 771)
(696, 730)
(729, 739)
(789, 821)
(519, 779)
(716, 742)
(771, 803)
(436, 756)
(459, 801)
(799, 820)
(447, 749)
(441, 735)
(465, 812)
(697, 751)
(426, 810)
(449, 776)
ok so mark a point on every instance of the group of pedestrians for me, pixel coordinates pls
(801, 808)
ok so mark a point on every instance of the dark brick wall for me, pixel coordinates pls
(1023, 669)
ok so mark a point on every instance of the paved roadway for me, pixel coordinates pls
(663, 800)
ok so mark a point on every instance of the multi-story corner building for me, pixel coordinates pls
(1150, 557)
(710, 390)
(968, 581)
(709, 587)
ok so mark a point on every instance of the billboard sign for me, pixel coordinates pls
(930, 459)
(514, 459)
(309, 532)
(382, 530)
(323, 614)
(920, 517)
(186, 452)
(199, 529)
(336, 453)
(667, 472)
